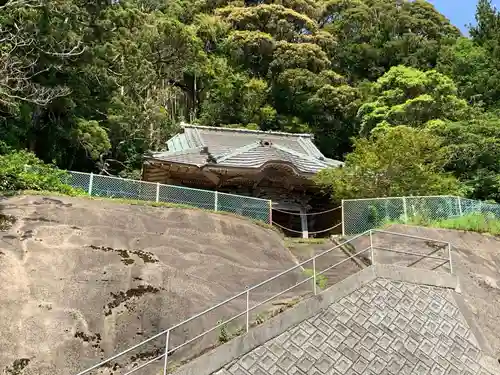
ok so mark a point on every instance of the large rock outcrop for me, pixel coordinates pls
(81, 279)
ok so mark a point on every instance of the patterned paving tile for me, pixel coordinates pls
(384, 328)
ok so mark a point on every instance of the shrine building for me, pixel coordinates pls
(263, 164)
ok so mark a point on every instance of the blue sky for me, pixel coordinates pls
(460, 12)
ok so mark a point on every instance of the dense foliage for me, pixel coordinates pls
(22, 170)
(92, 85)
(398, 161)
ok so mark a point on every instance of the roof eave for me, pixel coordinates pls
(165, 160)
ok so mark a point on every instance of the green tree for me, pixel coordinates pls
(474, 71)
(407, 96)
(45, 58)
(282, 23)
(474, 149)
(37, 39)
(374, 35)
(397, 161)
(487, 29)
(67, 66)
(234, 98)
(299, 56)
(331, 114)
(251, 50)
(324, 102)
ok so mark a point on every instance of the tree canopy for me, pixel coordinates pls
(407, 96)
(93, 85)
(397, 161)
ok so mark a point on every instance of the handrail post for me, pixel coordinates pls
(165, 362)
(248, 309)
(371, 248)
(449, 255)
(314, 276)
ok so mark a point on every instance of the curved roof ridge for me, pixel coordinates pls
(237, 151)
(195, 137)
(249, 131)
(310, 148)
(299, 154)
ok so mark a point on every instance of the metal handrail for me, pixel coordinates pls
(407, 235)
(344, 260)
(246, 293)
(423, 256)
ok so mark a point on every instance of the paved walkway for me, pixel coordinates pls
(385, 327)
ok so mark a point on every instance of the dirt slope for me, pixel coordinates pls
(81, 279)
(476, 261)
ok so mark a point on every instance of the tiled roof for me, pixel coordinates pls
(226, 147)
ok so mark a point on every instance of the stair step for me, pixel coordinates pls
(305, 251)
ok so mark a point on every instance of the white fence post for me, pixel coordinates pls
(460, 206)
(91, 182)
(343, 221)
(157, 192)
(216, 201)
(405, 210)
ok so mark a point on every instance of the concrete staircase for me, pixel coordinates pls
(383, 320)
(303, 250)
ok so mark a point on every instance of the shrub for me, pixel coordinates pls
(395, 161)
(321, 279)
(223, 332)
(22, 170)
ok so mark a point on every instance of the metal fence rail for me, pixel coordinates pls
(359, 215)
(114, 187)
(441, 253)
(369, 237)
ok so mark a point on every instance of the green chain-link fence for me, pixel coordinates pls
(114, 187)
(360, 215)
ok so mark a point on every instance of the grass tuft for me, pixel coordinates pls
(474, 222)
(294, 242)
(321, 279)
